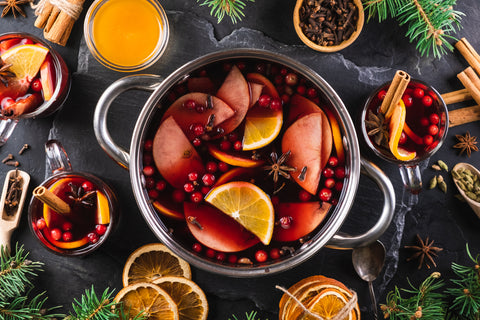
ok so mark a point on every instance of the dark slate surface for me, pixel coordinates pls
(380, 50)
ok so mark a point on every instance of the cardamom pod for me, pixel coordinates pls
(442, 165)
(440, 178)
(460, 197)
(433, 183)
(436, 167)
(471, 195)
(461, 185)
(456, 175)
(468, 179)
(470, 187)
(443, 186)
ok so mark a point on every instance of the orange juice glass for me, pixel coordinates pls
(126, 35)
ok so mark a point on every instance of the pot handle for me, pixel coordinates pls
(343, 241)
(146, 82)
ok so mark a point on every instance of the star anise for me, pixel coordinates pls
(466, 143)
(424, 249)
(80, 197)
(377, 127)
(5, 73)
(14, 6)
(277, 166)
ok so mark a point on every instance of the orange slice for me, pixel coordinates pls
(262, 126)
(66, 245)
(233, 159)
(248, 205)
(47, 214)
(190, 299)
(25, 60)
(103, 209)
(336, 134)
(147, 299)
(397, 122)
(153, 261)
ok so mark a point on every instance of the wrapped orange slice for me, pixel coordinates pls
(397, 122)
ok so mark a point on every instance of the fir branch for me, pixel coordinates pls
(382, 9)
(248, 316)
(231, 8)
(22, 307)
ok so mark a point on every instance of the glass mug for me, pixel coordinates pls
(91, 203)
(16, 101)
(426, 126)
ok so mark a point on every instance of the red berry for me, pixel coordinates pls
(199, 108)
(433, 129)
(381, 95)
(196, 142)
(260, 67)
(148, 171)
(291, 79)
(93, 237)
(434, 118)
(208, 179)
(278, 80)
(328, 172)
(403, 138)
(284, 71)
(333, 161)
(424, 121)
(88, 186)
(264, 100)
(150, 183)
(153, 194)
(193, 176)
(325, 194)
(238, 145)
(338, 186)
(418, 93)
(41, 223)
(210, 253)
(334, 201)
(211, 167)
(220, 256)
(329, 183)
(427, 101)
(222, 166)
(36, 85)
(161, 185)
(178, 195)
(427, 140)
(227, 67)
(197, 247)
(312, 92)
(232, 137)
(261, 256)
(147, 159)
(275, 253)
(301, 90)
(148, 145)
(67, 226)
(407, 100)
(100, 229)
(67, 236)
(241, 65)
(56, 234)
(197, 129)
(190, 104)
(276, 104)
(196, 197)
(287, 90)
(232, 258)
(304, 195)
(225, 145)
(286, 222)
(26, 41)
(188, 187)
(340, 172)
(275, 200)
(7, 102)
(285, 98)
(205, 189)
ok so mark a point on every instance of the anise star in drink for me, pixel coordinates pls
(14, 5)
(377, 127)
(466, 143)
(425, 249)
(80, 197)
(5, 73)
(277, 166)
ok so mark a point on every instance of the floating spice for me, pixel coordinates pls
(466, 143)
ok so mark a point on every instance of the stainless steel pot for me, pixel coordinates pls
(132, 159)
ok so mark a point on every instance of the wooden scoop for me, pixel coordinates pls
(473, 204)
(11, 207)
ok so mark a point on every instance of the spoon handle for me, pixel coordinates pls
(374, 301)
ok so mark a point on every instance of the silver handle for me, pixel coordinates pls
(342, 241)
(144, 82)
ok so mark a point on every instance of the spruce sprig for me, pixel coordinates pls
(231, 8)
(248, 316)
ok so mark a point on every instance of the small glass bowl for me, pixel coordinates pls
(155, 54)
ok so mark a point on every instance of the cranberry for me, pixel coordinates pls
(312, 93)
(381, 95)
(196, 142)
(227, 66)
(210, 253)
(328, 172)
(56, 234)
(172, 96)
(304, 195)
(264, 100)
(7, 102)
(100, 229)
(241, 65)
(147, 159)
(202, 73)
(181, 90)
(232, 258)
(199, 108)
(334, 201)
(261, 256)
(88, 186)
(434, 118)
(427, 140)
(153, 194)
(427, 101)
(286, 222)
(260, 68)
(148, 145)
(403, 138)
(196, 197)
(150, 183)
(67, 236)
(333, 161)
(188, 187)
(329, 183)
(278, 80)
(418, 93)
(284, 71)
(325, 194)
(67, 226)
(198, 129)
(288, 90)
(41, 223)
(208, 179)
(407, 100)
(36, 85)
(197, 247)
(285, 98)
(205, 189)
(276, 104)
(26, 41)
(211, 166)
(291, 79)
(433, 129)
(220, 256)
(190, 104)
(238, 145)
(424, 121)
(225, 145)
(338, 186)
(301, 90)
(274, 253)
(148, 171)
(222, 166)
(275, 200)
(161, 185)
(178, 195)
(93, 237)
(232, 137)
(340, 172)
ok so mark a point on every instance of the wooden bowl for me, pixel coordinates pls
(334, 48)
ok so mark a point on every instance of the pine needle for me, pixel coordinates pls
(221, 8)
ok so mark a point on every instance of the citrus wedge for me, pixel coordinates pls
(103, 209)
(397, 122)
(262, 126)
(248, 205)
(149, 300)
(153, 261)
(328, 304)
(190, 299)
(47, 213)
(25, 60)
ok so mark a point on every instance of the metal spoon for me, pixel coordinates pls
(368, 263)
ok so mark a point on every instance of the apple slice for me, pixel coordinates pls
(216, 230)
(186, 117)
(233, 159)
(201, 84)
(236, 93)
(306, 217)
(309, 139)
(174, 155)
(299, 107)
(47, 78)
(255, 92)
(261, 79)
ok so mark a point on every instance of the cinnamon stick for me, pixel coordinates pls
(471, 82)
(395, 92)
(457, 96)
(51, 200)
(469, 53)
(463, 115)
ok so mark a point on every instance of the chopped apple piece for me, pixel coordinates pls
(299, 107)
(255, 92)
(261, 79)
(47, 78)
(201, 84)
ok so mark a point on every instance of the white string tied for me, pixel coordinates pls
(72, 9)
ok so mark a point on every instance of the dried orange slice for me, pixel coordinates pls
(153, 261)
(397, 122)
(262, 126)
(190, 299)
(25, 60)
(147, 299)
(247, 204)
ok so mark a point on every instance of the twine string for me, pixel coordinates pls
(72, 9)
(342, 314)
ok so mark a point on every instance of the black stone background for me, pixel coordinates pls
(354, 72)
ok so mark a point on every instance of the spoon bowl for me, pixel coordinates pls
(475, 205)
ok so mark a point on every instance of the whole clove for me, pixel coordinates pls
(12, 163)
(328, 23)
(23, 149)
(14, 192)
(7, 158)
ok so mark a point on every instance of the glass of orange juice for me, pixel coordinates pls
(126, 35)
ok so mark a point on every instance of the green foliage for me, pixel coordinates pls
(248, 316)
(430, 23)
(221, 8)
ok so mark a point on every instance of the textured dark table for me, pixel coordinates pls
(373, 59)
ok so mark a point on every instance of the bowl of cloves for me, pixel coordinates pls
(328, 25)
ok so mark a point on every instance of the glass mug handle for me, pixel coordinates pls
(6, 129)
(56, 158)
